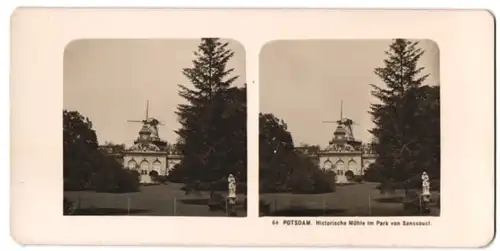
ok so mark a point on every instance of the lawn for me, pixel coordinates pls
(153, 200)
(348, 200)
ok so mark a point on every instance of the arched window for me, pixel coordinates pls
(351, 166)
(327, 165)
(132, 164)
(157, 166)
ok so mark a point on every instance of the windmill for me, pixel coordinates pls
(345, 124)
(150, 123)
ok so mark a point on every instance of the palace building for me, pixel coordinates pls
(149, 155)
(344, 155)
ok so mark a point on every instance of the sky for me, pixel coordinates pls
(109, 81)
(303, 83)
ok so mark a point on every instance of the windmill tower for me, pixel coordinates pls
(150, 130)
(344, 132)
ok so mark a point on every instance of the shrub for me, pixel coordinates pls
(73, 184)
(435, 185)
(264, 207)
(67, 206)
(388, 187)
(136, 174)
(267, 186)
(191, 186)
(127, 182)
(311, 182)
(416, 183)
(202, 186)
(116, 181)
(154, 175)
(358, 178)
(162, 179)
(298, 175)
(220, 185)
(241, 187)
(372, 174)
(349, 175)
(301, 182)
(324, 181)
(177, 175)
(305, 177)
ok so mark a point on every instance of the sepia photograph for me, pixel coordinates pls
(337, 135)
(349, 128)
(155, 127)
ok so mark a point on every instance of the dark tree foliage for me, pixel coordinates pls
(213, 122)
(275, 151)
(313, 149)
(407, 118)
(67, 206)
(112, 148)
(85, 167)
(281, 167)
(113, 178)
(80, 153)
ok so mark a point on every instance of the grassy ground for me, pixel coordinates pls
(349, 200)
(154, 200)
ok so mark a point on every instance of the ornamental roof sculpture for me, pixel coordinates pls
(335, 147)
(145, 147)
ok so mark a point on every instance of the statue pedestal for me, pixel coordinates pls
(232, 192)
(231, 200)
(231, 204)
(426, 197)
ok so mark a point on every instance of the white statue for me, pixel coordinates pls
(426, 186)
(231, 186)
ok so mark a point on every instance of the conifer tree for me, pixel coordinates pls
(399, 127)
(205, 124)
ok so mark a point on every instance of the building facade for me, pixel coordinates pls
(150, 156)
(344, 155)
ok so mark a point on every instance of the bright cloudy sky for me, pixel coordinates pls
(303, 82)
(109, 81)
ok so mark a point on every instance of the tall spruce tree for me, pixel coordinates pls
(398, 117)
(206, 123)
